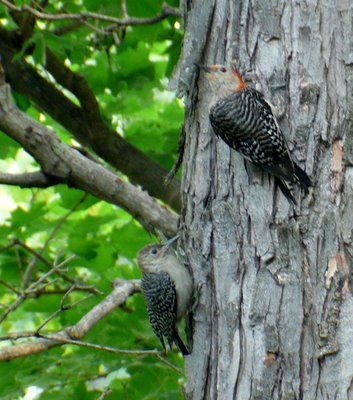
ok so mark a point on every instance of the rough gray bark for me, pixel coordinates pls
(274, 315)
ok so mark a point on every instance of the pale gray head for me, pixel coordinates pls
(223, 80)
(150, 258)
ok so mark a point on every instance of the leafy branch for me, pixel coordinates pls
(71, 335)
(167, 11)
(96, 134)
(69, 166)
(38, 287)
(119, 295)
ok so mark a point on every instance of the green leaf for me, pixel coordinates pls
(128, 75)
(129, 239)
(39, 48)
(8, 147)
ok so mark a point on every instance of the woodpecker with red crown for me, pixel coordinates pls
(243, 119)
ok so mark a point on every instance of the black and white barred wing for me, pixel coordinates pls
(160, 297)
(244, 120)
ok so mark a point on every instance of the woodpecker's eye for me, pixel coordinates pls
(223, 69)
(154, 251)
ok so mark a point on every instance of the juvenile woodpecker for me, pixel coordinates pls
(167, 288)
(243, 119)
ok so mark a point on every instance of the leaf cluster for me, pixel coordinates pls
(126, 68)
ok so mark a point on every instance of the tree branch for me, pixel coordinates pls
(36, 179)
(167, 11)
(39, 286)
(68, 165)
(116, 298)
(105, 142)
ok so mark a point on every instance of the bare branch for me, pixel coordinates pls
(36, 179)
(105, 142)
(61, 161)
(166, 362)
(63, 307)
(123, 8)
(122, 290)
(167, 11)
(38, 288)
(106, 392)
(13, 289)
(108, 349)
(114, 350)
(116, 298)
(20, 299)
(78, 288)
(16, 335)
(32, 251)
(52, 267)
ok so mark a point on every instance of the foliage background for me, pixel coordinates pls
(129, 81)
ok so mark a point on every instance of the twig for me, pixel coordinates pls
(51, 317)
(30, 250)
(63, 219)
(32, 265)
(79, 288)
(115, 299)
(114, 350)
(166, 362)
(13, 289)
(34, 293)
(167, 11)
(61, 309)
(36, 179)
(8, 247)
(13, 307)
(31, 290)
(48, 263)
(108, 349)
(123, 9)
(16, 336)
(106, 392)
(53, 269)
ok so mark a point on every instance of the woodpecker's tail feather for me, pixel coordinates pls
(302, 178)
(283, 185)
(180, 344)
(162, 342)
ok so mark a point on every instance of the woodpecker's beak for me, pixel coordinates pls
(171, 241)
(203, 68)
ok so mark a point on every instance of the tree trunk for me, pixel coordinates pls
(274, 312)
